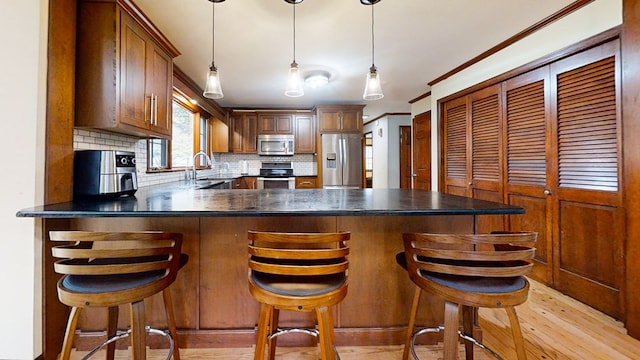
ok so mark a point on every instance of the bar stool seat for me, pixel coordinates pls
(297, 272)
(468, 271)
(105, 269)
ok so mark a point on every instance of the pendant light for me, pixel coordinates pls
(373, 88)
(294, 82)
(213, 89)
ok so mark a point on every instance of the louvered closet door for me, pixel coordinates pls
(486, 184)
(527, 116)
(455, 147)
(589, 239)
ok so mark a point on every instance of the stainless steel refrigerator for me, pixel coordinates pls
(341, 161)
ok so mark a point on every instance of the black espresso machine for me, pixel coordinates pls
(104, 173)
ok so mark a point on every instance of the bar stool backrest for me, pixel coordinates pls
(298, 254)
(99, 254)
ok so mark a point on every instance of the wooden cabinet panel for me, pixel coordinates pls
(333, 118)
(219, 136)
(486, 166)
(455, 147)
(528, 148)
(305, 134)
(133, 61)
(160, 72)
(275, 124)
(587, 135)
(244, 130)
(306, 182)
(123, 71)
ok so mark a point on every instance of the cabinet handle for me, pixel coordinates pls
(154, 109)
(470, 183)
(305, 183)
(547, 192)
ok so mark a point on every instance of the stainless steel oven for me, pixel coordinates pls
(276, 183)
(276, 175)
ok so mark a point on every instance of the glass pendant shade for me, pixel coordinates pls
(295, 83)
(373, 89)
(213, 89)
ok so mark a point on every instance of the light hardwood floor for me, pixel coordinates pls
(554, 327)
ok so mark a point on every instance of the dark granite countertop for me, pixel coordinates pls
(183, 199)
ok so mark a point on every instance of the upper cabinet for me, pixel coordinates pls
(124, 70)
(305, 134)
(275, 124)
(339, 118)
(244, 134)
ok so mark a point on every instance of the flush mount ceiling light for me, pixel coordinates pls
(294, 83)
(213, 89)
(373, 88)
(317, 79)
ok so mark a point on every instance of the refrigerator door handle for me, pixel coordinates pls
(343, 162)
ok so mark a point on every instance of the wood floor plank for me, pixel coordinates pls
(554, 326)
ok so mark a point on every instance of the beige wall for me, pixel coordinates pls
(22, 100)
(590, 20)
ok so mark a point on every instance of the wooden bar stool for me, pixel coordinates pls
(468, 272)
(107, 269)
(297, 272)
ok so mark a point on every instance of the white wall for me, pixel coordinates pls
(386, 150)
(22, 102)
(590, 20)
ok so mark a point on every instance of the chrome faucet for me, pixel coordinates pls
(199, 153)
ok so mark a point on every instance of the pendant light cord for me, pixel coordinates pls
(294, 33)
(373, 42)
(213, 35)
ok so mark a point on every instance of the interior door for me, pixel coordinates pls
(421, 146)
(405, 157)
(529, 158)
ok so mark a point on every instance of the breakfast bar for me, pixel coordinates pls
(211, 298)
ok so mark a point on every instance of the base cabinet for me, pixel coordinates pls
(211, 297)
(306, 182)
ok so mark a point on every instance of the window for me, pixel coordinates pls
(182, 143)
(191, 132)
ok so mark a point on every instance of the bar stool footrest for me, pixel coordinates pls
(311, 332)
(124, 334)
(460, 334)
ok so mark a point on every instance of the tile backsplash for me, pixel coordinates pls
(84, 139)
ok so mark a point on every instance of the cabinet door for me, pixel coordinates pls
(159, 84)
(329, 120)
(486, 169)
(134, 103)
(237, 132)
(455, 147)
(275, 124)
(250, 136)
(589, 241)
(527, 151)
(305, 134)
(351, 120)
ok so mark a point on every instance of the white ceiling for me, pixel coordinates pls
(416, 41)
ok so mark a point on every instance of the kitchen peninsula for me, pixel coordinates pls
(213, 305)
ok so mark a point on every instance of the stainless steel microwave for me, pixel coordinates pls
(275, 145)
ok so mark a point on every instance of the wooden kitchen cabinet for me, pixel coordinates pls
(244, 133)
(305, 134)
(275, 124)
(306, 182)
(339, 118)
(124, 70)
